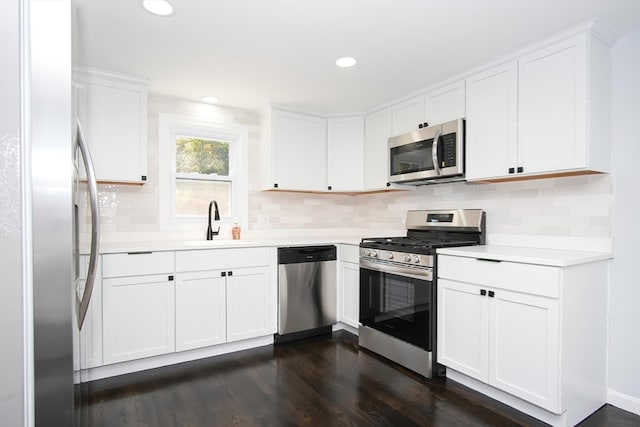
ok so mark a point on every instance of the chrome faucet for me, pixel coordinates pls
(216, 217)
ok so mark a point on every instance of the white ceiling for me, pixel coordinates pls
(253, 52)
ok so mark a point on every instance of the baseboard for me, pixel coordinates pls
(137, 365)
(348, 328)
(623, 401)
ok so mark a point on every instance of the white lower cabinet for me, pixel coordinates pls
(248, 303)
(138, 317)
(506, 339)
(223, 295)
(349, 285)
(137, 305)
(200, 310)
(350, 293)
(532, 335)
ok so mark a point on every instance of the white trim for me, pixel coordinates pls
(116, 369)
(238, 135)
(623, 401)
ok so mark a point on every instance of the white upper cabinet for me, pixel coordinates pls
(445, 103)
(545, 114)
(564, 107)
(113, 111)
(377, 130)
(298, 151)
(407, 115)
(345, 140)
(492, 122)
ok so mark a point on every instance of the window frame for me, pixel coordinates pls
(171, 127)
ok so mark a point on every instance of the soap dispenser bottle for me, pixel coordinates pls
(235, 231)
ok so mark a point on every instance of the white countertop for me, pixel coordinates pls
(550, 257)
(170, 245)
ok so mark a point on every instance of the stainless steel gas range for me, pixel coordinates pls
(398, 285)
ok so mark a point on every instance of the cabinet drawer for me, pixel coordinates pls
(350, 253)
(137, 264)
(532, 279)
(212, 259)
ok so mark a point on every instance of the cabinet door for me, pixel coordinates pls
(248, 304)
(524, 347)
(377, 130)
(445, 103)
(350, 293)
(492, 122)
(552, 107)
(113, 111)
(462, 328)
(138, 317)
(89, 339)
(200, 310)
(407, 115)
(299, 151)
(345, 139)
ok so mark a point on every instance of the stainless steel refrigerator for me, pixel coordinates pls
(60, 298)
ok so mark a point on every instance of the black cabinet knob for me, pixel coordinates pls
(512, 170)
(520, 169)
(483, 292)
(491, 294)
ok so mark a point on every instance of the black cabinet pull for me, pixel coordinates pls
(275, 185)
(170, 278)
(223, 274)
(512, 170)
(144, 177)
(491, 294)
(139, 253)
(329, 188)
(483, 292)
(230, 273)
(520, 169)
(488, 260)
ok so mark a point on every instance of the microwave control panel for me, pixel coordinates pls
(448, 154)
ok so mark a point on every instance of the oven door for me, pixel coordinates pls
(397, 301)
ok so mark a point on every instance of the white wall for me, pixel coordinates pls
(12, 316)
(624, 298)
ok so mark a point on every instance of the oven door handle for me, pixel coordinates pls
(414, 273)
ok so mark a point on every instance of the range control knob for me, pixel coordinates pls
(407, 258)
(374, 254)
(415, 259)
(367, 252)
(390, 255)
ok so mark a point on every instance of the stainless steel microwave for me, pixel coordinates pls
(428, 155)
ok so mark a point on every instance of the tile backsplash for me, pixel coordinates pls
(571, 206)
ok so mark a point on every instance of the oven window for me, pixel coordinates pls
(396, 305)
(410, 158)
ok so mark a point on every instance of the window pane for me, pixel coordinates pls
(193, 197)
(202, 156)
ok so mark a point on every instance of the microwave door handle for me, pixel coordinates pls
(434, 153)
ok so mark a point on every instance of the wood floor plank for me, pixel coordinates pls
(322, 381)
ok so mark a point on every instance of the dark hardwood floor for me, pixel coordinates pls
(322, 381)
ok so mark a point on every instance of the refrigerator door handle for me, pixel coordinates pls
(83, 304)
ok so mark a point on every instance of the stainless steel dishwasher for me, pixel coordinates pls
(307, 291)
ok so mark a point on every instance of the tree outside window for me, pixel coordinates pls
(202, 174)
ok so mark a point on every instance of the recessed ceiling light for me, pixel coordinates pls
(210, 99)
(345, 62)
(158, 7)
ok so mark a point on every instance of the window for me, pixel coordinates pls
(201, 161)
(201, 175)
